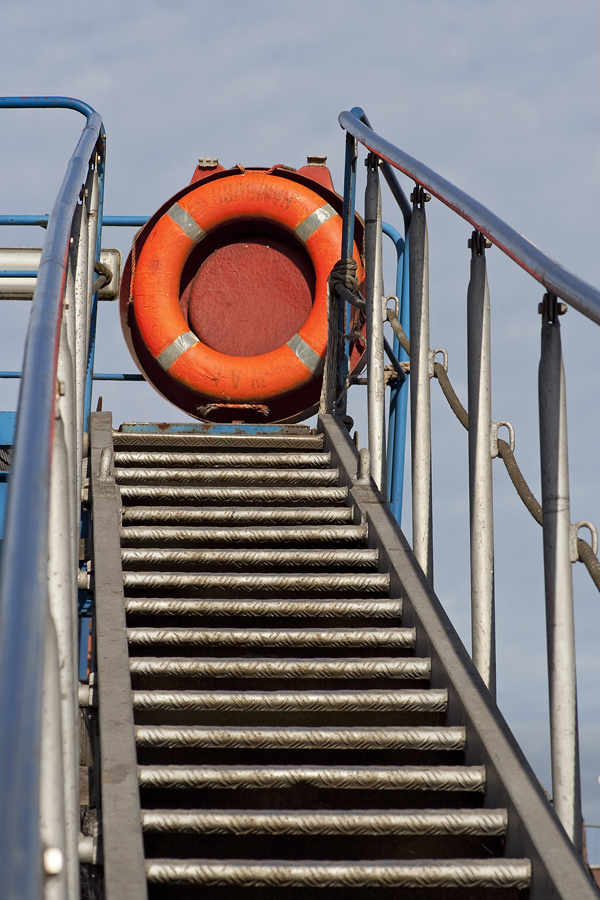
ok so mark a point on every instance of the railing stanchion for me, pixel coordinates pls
(52, 788)
(374, 314)
(560, 626)
(480, 466)
(421, 366)
(62, 593)
(82, 312)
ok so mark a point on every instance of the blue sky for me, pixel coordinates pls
(501, 98)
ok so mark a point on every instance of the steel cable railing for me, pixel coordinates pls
(39, 763)
(586, 553)
(562, 544)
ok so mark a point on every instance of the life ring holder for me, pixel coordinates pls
(291, 407)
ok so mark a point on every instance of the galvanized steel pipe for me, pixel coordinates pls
(560, 626)
(480, 467)
(421, 369)
(62, 593)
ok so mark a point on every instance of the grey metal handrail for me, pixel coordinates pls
(560, 538)
(24, 589)
(558, 280)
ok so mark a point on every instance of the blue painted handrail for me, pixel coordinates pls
(24, 575)
(97, 376)
(119, 221)
(18, 273)
(48, 103)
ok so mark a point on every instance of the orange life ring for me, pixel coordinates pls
(156, 288)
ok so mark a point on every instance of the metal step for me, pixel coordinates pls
(377, 778)
(303, 515)
(465, 874)
(249, 560)
(349, 822)
(217, 442)
(364, 583)
(402, 638)
(368, 608)
(425, 737)
(151, 495)
(295, 477)
(175, 535)
(360, 668)
(294, 701)
(223, 460)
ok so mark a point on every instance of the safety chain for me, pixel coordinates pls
(583, 551)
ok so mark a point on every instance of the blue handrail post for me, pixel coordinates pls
(399, 394)
(343, 354)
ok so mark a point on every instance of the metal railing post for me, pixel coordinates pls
(374, 314)
(96, 200)
(82, 315)
(52, 788)
(480, 466)
(421, 369)
(62, 595)
(560, 626)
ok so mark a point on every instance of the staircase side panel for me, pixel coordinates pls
(124, 868)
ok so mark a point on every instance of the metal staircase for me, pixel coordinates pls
(277, 699)
(288, 730)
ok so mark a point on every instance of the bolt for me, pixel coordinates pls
(487, 244)
(61, 389)
(414, 197)
(561, 308)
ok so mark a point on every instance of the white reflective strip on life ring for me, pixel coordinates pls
(187, 224)
(306, 354)
(174, 350)
(314, 221)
